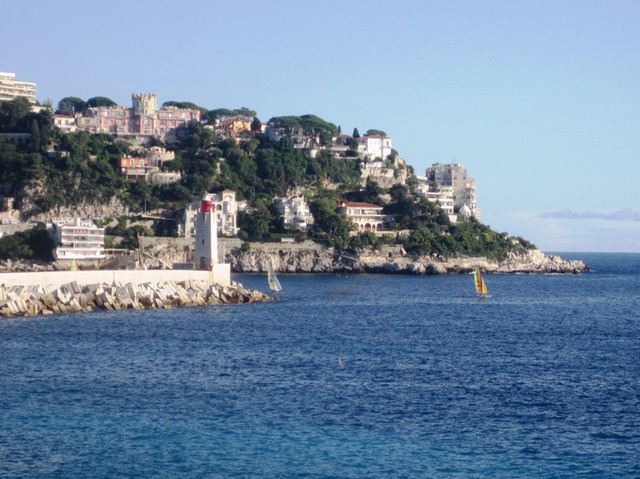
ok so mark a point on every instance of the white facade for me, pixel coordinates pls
(224, 205)
(295, 212)
(454, 175)
(78, 239)
(65, 123)
(206, 242)
(374, 146)
(226, 209)
(10, 88)
(443, 196)
(366, 216)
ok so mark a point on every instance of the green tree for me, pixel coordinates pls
(71, 105)
(374, 132)
(12, 115)
(256, 124)
(327, 222)
(185, 104)
(97, 101)
(256, 223)
(33, 244)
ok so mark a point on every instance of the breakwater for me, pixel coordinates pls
(73, 298)
(61, 292)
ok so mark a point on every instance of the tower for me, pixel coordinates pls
(206, 245)
(143, 103)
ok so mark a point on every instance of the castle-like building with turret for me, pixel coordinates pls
(141, 122)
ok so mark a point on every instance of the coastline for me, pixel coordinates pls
(256, 260)
(36, 288)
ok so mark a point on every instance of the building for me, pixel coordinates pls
(366, 216)
(65, 123)
(374, 146)
(10, 88)
(223, 204)
(7, 218)
(205, 252)
(295, 212)
(141, 122)
(136, 168)
(454, 175)
(157, 155)
(443, 196)
(143, 169)
(235, 125)
(78, 239)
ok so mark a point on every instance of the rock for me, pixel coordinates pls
(70, 298)
(256, 260)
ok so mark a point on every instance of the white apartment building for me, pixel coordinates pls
(225, 207)
(10, 88)
(443, 196)
(295, 212)
(78, 239)
(454, 175)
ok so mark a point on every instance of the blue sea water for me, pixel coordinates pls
(540, 381)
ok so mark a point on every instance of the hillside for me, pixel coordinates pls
(56, 174)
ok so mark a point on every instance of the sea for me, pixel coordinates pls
(344, 376)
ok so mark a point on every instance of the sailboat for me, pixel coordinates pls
(272, 279)
(481, 287)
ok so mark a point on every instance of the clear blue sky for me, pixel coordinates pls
(539, 100)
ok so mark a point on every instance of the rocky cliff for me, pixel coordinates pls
(334, 261)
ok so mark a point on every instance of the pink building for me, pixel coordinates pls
(142, 121)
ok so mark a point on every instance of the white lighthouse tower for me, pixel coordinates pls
(206, 247)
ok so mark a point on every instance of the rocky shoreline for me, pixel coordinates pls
(327, 260)
(70, 298)
(333, 261)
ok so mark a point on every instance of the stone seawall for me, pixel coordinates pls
(51, 292)
(73, 298)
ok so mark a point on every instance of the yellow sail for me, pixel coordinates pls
(481, 287)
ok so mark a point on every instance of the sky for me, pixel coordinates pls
(539, 100)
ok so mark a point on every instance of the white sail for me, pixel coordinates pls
(274, 284)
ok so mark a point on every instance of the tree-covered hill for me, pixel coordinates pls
(54, 169)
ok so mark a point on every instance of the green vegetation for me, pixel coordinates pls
(56, 169)
(34, 244)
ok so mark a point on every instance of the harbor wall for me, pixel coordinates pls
(63, 292)
(220, 275)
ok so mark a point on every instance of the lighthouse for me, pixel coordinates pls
(206, 244)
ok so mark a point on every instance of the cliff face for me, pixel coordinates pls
(330, 261)
(298, 259)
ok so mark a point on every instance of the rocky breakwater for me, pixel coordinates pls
(72, 298)
(334, 261)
